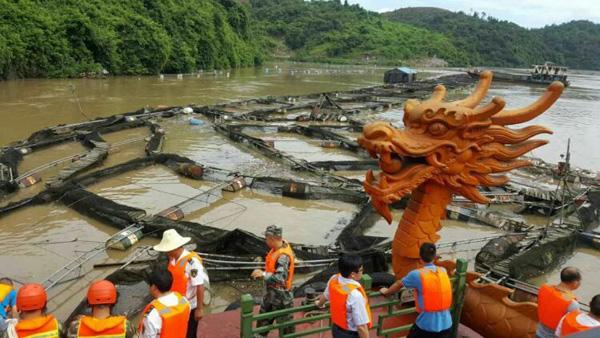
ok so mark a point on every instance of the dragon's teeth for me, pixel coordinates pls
(383, 183)
(370, 176)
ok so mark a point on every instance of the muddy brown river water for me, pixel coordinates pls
(37, 241)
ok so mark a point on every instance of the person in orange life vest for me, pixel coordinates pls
(554, 301)
(168, 314)
(189, 275)
(433, 296)
(33, 320)
(8, 300)
(577, 321)
(101, 297)
(348, 302)
(278, 277)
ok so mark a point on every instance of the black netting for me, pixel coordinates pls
(498, 249)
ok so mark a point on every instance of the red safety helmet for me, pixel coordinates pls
(102, 292)
(31, 297)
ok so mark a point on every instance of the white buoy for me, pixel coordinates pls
(228, 74)
(179, 76)
(161, 76)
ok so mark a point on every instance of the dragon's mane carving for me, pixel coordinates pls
(446, 148)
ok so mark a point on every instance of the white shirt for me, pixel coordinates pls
(583, 319)
(152, 321)
(356, 310)
(200, 277)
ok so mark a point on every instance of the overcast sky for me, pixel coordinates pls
(527, 13)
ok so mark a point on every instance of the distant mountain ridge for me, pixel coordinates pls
(56, 38)
(336, 32)
(492, 42)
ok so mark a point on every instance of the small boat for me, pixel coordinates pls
(592, 238)
(539, 74)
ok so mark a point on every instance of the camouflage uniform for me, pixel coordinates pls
(276, 296)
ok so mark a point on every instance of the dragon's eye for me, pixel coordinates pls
(437, 129)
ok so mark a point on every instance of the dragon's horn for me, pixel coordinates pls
(485, 80)
(439, 93)
(516, 116)
(410, 105)
(487, 111)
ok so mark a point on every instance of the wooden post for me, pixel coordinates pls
(460, 286)
(246, 311)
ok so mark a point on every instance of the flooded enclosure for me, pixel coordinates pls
(262, 147)
(304, 221)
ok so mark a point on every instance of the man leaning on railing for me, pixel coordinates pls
(434, 296)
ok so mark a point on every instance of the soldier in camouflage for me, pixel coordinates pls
(278, 277)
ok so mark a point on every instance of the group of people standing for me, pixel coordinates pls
(348, 302)
(178, 298)
(177, 291)
(558, 309)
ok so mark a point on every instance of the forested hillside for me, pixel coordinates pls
(492, 42)
(62, 38)
(69, 38)
(329, 31)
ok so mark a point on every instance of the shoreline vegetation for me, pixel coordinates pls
(61, 39)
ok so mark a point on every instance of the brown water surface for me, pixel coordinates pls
(29, 105)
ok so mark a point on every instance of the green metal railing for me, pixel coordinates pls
(392, 309)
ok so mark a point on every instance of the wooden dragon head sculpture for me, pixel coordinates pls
(446, 148)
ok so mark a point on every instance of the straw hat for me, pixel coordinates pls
(170, 241)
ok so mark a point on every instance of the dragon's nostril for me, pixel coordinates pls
(378, 131)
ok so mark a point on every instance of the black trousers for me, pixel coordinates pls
(416, 332)
(338, 332)
(192, 325)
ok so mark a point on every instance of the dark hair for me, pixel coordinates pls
(348, 264)
(161, 278)
(6, 280)
(427, 252)
(595, 306)
(570, 274)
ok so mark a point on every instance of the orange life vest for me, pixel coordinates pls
(174, 318)
(436, 289)
(570, 324)
(180, 280)
(552, 305)
(42, 327)
(115, 326)
(4, 291)
(271, 262)
(338, 296)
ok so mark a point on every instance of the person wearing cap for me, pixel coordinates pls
(278, 276)
(101, 297)
(168, 314)
(188, 273)
(33, 319)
